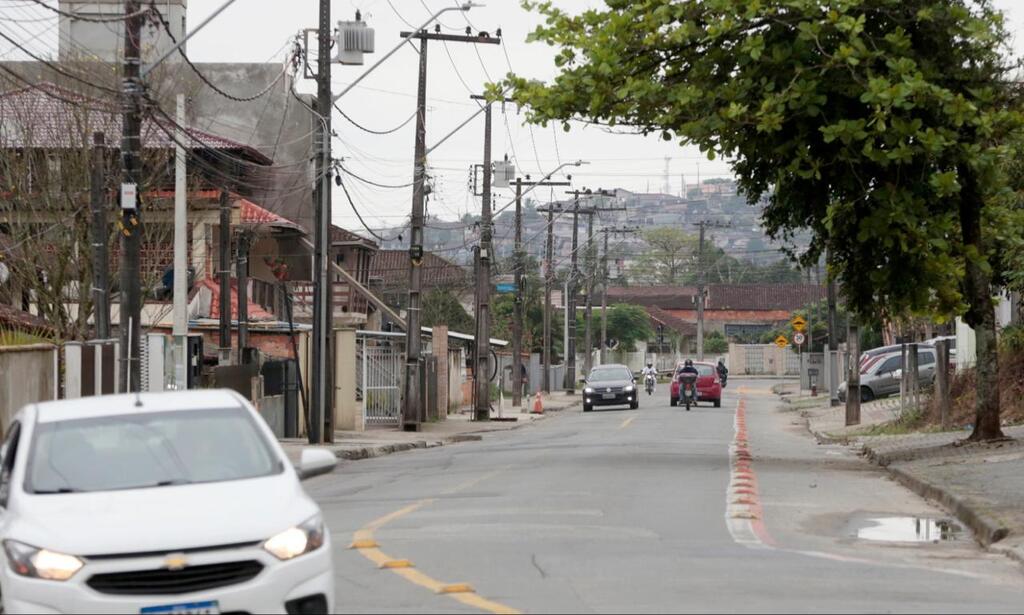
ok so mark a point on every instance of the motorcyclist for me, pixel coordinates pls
(650, 371)
(688, 368)
(723, 371)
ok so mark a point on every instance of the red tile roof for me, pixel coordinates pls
(671, 321)
(340, 235)
(47, 116)
(392, 268)
(251, 213)
(256, 313)
(722, 297)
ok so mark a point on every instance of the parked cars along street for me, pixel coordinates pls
(880, 377)
(158, 503)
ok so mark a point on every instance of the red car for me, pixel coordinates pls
(709, 387)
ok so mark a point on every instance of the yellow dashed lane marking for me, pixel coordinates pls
(626, 423)
(365, 542)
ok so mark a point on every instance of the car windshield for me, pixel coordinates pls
(604, 374)
(148, 450)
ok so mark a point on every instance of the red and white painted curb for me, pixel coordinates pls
(744, 515)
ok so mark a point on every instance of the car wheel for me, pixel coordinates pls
(718, 403)
(672, 402)
(866, 394)
(634, 406)
(587, 407)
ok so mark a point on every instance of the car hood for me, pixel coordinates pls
(162, 519)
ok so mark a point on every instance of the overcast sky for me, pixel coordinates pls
(257, 31)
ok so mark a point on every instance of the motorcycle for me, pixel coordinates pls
(688, 384)
(649, 383)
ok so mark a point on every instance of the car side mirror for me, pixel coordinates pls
(314, 462)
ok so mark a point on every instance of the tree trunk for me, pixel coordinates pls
(981, 315)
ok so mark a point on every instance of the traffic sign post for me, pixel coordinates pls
(781, 341)
(799, 339)
(799, 323)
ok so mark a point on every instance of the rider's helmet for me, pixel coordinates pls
(688, 363)
(649, 364)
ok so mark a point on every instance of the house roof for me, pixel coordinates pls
(253, 214)
(722, 297)
(665, 297)
(391, 267)
(256, 313)
(340, 236)
(675, 323)
(788, 297)
(18, 320)
(47, 116)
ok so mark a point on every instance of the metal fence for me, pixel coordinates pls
(379, 372)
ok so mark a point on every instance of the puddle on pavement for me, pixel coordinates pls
(908, 530)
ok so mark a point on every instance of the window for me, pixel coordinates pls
(148, 450)
(8, 453)
(925, 358)
(890, 365)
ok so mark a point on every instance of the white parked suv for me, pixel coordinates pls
(158, 503)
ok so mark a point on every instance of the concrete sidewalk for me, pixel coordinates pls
(458, 427)
(982, 484)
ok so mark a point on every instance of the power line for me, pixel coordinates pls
(370, 130)
(373, 183)
(210, 84)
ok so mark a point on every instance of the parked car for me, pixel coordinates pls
(158, 503)
(881, 378)
(610, 385)
(709, 388)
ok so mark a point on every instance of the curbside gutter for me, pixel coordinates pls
(987, 530)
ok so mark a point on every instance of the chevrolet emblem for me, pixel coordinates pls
(608, 390)
(176, 561)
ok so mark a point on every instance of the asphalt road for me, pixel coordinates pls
(651, 510)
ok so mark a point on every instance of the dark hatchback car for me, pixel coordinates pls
(610, 385)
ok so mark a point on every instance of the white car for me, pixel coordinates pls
(158, 503)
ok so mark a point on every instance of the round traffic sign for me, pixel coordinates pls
(799, 339)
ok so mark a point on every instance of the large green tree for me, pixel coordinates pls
(669, 256)
(879, 125)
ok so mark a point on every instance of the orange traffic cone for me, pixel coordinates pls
(538, 405)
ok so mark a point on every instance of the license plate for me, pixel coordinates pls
(608, 396)
(189, 608)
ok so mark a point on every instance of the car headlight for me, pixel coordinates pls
(630, 388)
(299, 540)
(29, 561)
(588, 390)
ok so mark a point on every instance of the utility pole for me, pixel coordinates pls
(549, 281)
(131, 224)
(518, 317)
(242, 273)
(573, 276)
(321, 413)
(588, 313)
(604, 287)
(412, 406)
(702, 289)
(482, 406)
(180, 296)
(570, 303)
(224, 273)
(833, 342)
(100, 237)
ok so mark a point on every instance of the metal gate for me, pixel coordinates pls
(380, 369)
(754, 360)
